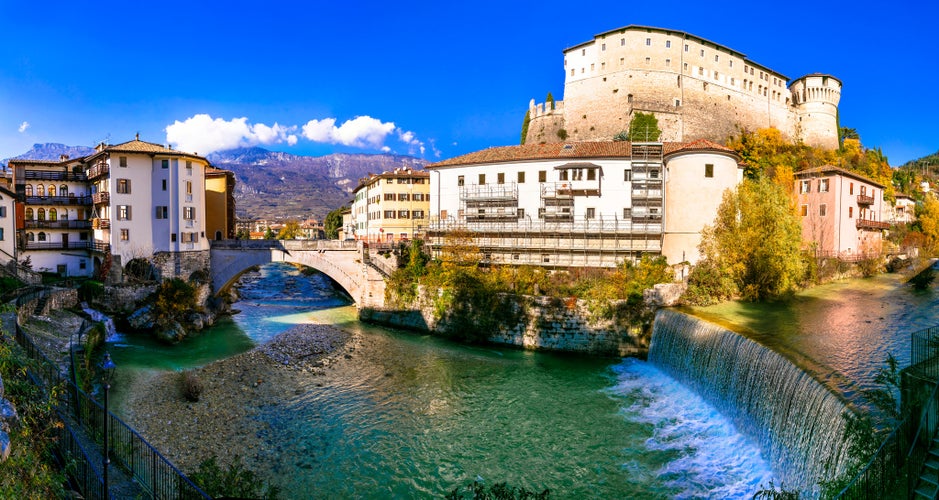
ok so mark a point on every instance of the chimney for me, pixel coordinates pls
(63, 157)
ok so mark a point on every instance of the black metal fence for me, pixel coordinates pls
(130, 451)
(924, 354)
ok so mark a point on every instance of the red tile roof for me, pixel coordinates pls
(826, 169)
(563, 150)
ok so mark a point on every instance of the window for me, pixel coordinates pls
(521, 177)
(418, 197)
(627, 213)
(591, 213)
(822, 210)
(684, 67)
(29, 190)
(173, 238)
(389, 197)
(709, 170)
(53, 214)
(668, 44)
(700, 71)
(717, 57)
(686, 47)
(123, 212)
(648, 41)
(804, 210)
(41, 214)
(654, 174)
(823, 186)
(42, 236)
(851, 188)
(602, 47)
(30, 237)
(563, 175)
(123, 161)
(389, 181)
(29, 214)
(63, 190)
(500, 178)
(648, 60)
(3, 211)
(123, 186)
(165, 164)
(188, 168)
(164, 184)
(702, 52)
(668, 62)
(125, 234)
(627, 175)
(404, 197)
(622, 42)
(541, 213)
(189, 213)
(542, 176)
(850, 212)
(805, 187)
(482, 179)
(459, 181)
(189, 188)
(51, 190)
(521, 213)
(591, 174)
(162, 212)
(403, 214)
(389, 214)
(1, 233)
(83, 264)
(417, 214)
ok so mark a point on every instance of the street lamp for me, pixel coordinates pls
(107, 368)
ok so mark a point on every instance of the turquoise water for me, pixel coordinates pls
(414, 416)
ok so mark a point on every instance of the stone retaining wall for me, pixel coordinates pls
(59, 298)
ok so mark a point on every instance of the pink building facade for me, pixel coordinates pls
(842, 212)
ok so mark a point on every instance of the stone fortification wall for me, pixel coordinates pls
(550, 324)
(122, 299)
(59, 298)
(697, 89)
(180, 264)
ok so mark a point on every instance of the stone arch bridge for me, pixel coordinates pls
(346, 262)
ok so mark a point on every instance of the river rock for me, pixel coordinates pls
(5, 446)
(171, 333)
(8, 411)
(1, 387)
(196, 321)
(141, 319)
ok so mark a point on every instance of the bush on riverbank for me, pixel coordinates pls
(31, 471)
(233, 481)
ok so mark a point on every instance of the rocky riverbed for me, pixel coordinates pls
(225, 421)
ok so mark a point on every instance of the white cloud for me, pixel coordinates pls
(202, 134)
(23, 127)
(361, 131)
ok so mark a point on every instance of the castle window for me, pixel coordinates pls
(648, 60)
(572, 72)
(648, 41)
(668, 63)
(583, 52)
(603, 47)
(621, 61)
(702, 52)
(700, 70)
(746, 68)
(732, 80)
(686, 47)
(684, 66)
(709, 170)
(677, 102)
(668, 44)
(591, 66)
(622, 42)
(730, 63)
(717, 57)
(629, 98)
(716, 75)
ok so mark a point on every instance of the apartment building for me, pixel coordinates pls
(219, 203)
(391, 206)
(582, 204)
(842, 212)
(135, 199)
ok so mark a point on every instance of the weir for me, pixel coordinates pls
(795, 419)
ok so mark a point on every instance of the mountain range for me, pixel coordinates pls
(275, 185)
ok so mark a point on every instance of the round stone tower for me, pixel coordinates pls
(816, 99)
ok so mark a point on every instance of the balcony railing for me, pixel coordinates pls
(872, 224)
(99, 169)
(101, 197)
(58, 245)
(863, 199)
(46, 175)
(58, 224)
(98, 223)
(58, 200)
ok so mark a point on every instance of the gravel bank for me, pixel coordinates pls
(225, 421)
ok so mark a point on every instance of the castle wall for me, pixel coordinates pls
(697, 90)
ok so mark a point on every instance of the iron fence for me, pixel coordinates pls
(924, 353)
(129, 450)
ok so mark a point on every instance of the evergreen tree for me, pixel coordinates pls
(333, 223)
(525, 124)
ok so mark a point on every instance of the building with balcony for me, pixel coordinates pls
(582, 204)
(391, 206)
(842, 212)
(903, 209)
(135, 199)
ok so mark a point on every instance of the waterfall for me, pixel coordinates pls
(796, 420)
(109, 329)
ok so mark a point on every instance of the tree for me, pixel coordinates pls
(525, 124)
(755, 241)
(928, 219)
(460, 249)
(644, 128)
(333, 223)
(550, 100)
(290, 231)
(269, 234)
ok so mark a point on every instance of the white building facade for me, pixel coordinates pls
(582, 204)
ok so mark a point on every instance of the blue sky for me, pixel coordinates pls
(432, 79)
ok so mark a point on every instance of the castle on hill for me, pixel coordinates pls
(697, 89)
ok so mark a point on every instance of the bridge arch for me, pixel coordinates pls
(342, 261)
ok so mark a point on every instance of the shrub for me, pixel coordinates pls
(922, 280)
(139, 269)
(235, 481)
(190, 385)
(562, 134)
(173, 298)
(90, 290)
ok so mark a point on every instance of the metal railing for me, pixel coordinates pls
(57, 224)
(924, 353)
(48, 175)
(58, 200)
(150, 469)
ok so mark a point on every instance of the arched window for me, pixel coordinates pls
(63, 190)
(51, 190)
(42, 236)
(53, 214)
(29, 214)
(30, 237)
(64, 214)
(29, 190)
(40, 190)
(41, 214)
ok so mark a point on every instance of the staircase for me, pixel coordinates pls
(928, 484)
(41, 305)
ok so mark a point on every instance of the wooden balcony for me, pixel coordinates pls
(46, 175)
(863, 199)
(98, 223)
(57, 224)
(99, 169)
(101, 197)
(57, 245)
(872, 224)
(58, 200)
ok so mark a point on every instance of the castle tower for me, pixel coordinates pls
(815, 98)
